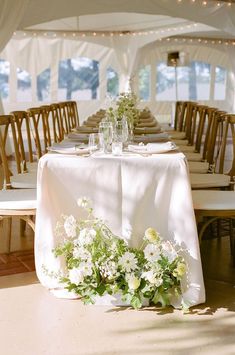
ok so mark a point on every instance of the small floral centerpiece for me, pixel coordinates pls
(125, 107)
(99, 263)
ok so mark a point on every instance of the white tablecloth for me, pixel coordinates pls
(131, 193)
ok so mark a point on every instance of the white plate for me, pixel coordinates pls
(69, 151)
(152, 148)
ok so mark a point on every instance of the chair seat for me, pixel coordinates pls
(203, 181)
(24, 181)
(177, 135)
(187, 148)
(193, 156)
(198, 167)
(18, 199)
(180, 142)
(213, 200)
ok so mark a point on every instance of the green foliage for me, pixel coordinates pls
(100, 263)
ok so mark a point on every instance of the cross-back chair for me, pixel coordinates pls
(13, 202)
(40, 130)
(212, 205)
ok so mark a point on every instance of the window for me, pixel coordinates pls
(112, 82)
(199, 81)
(165, 83)
(220, 83)
(193, 82)
(43, 85)
(144, 83)
(24, 89)
(78, 79)
(4, 79)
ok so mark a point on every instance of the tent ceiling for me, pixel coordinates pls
(135, 15)
(110, 22)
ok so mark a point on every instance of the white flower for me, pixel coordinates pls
(151, 277)
(151, 253)
(109, 269)
(168, 251)
(86, 268)
(70, 226)
(152, 236)
(128, 261)
(76, 276)
(133, 282)
(180, 270)
(81, 253)
(86, 236)
(84, 202)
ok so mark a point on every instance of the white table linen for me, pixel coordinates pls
(131, 193)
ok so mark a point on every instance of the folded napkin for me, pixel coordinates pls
(147, 130)
(86, 129)
(157, 137)
(152, 148)
(78, 136)
(147, 124)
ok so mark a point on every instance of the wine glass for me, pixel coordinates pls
(106, 128)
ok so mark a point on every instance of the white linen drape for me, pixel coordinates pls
(10, 16)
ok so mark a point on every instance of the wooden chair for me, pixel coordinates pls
(213, 205)
(58, 130)
(72, 114)
(25, 145)
(215, 178)
(40, 130)
(20, 202)
(18, 179)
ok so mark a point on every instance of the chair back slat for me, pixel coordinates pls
(7, 122)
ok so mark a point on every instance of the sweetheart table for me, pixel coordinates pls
(131, 192)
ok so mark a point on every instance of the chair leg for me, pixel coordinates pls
(22, 227)
(9, 225)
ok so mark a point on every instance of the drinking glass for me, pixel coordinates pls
(95, 142)
(106, 128)
(121, 131)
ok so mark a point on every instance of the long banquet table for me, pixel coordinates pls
(131, 192)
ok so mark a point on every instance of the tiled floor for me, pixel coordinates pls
(17, 262)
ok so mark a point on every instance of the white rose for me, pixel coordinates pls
(151, 235)
(70, 226)
(76, 276)
(133, 282)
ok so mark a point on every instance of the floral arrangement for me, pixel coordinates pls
(126, 106)
(100, 263)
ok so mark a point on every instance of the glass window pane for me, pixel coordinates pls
(220, 83)
(144, 82)
(165, 87)
(43, 85)
(24, 89)
(4, 79)
(78, 79)
(199, 81)
(182, 83)
(112, 82)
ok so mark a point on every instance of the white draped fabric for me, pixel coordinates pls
(131, 193)
(10, 17)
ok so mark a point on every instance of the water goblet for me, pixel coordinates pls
(106, 128)
(95, 142)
